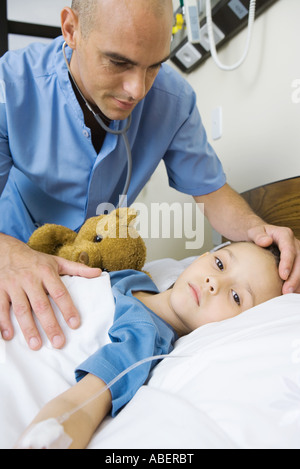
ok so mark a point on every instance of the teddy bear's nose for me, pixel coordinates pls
(84, 258)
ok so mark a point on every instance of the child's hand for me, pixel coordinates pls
(83, 406)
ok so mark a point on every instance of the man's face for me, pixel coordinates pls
(116, 65)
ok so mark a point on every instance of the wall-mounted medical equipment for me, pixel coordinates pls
(203, 26)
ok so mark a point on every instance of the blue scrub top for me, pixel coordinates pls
(49, 169)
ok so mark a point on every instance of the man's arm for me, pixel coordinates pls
(81, 425)
(231, 216)
(229, 213)
(27, 277)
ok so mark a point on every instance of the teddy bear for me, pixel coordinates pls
(109, 242)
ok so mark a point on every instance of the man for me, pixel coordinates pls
(57, 165)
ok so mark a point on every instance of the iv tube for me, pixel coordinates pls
(50, 434)
(67, 415)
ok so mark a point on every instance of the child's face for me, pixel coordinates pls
(225, 283)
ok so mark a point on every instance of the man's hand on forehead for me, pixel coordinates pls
(289, 246)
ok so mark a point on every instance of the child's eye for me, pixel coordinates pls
(219, 263)
(236, 298)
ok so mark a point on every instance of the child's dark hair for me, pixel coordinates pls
(273, 249)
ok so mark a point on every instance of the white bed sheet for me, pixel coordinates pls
(239, 387)
(235, 384)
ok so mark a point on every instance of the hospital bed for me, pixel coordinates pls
(233, 384)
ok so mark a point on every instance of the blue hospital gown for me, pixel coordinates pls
(137, 333)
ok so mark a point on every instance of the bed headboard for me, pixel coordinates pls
(277, 203)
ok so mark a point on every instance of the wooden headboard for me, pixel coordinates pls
(277, 203)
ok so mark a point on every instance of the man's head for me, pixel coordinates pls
(87, 11)
(118, 48)
(223, 284)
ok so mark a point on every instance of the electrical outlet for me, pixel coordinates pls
(204, 39)
(188, 55)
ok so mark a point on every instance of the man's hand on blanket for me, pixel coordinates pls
(27, 277)
(289, 246)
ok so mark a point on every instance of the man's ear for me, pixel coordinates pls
(70, 26)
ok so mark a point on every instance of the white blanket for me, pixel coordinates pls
(30, 379)
(235, 384)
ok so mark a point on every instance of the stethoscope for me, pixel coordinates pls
(122, 132)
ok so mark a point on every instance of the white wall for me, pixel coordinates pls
(261, 137)
(261, 141)
(33, 11)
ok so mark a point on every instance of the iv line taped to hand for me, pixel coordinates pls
(50, 434)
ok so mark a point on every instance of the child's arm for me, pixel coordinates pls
(81, 425)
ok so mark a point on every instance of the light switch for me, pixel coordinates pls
(217, 123)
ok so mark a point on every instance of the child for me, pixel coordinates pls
(215, 287)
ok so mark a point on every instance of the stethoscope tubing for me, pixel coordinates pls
(122, 132)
